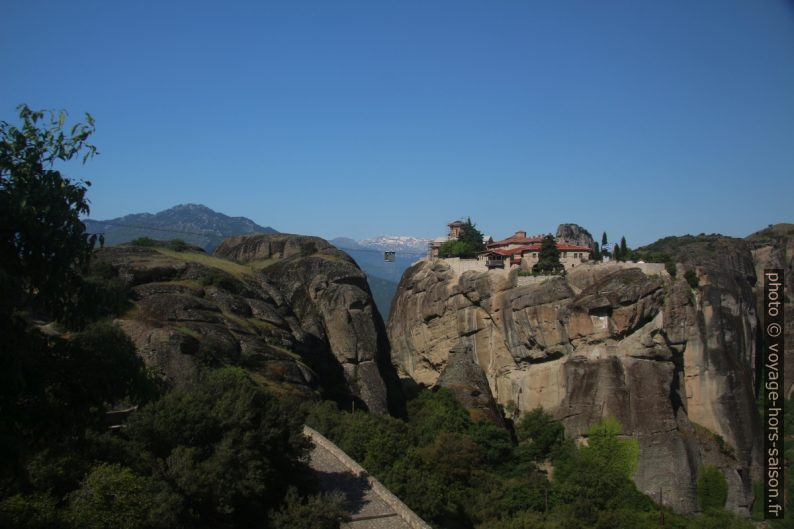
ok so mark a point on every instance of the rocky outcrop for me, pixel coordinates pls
(673, 363)
(574, 234)
(293, 310)
(331, 300)
(773, 247)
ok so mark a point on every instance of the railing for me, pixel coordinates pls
(495, 263)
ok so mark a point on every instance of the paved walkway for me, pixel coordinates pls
(366, 508)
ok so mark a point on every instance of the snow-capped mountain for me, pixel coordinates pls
(384, 275)
(398, 243)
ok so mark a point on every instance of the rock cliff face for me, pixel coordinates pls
(293, 310)
(673, 363)
(574, 234)
(773, 247)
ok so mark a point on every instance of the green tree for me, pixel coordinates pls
(112, 496)
(604, 239)
(226, 447)
(43, 244)
(548, 257)
(434, 412)
(322, 511)
(31, 511)
(52, 387)
(472, 237)
(624, 250)
(712, 488)
(455, 248)
(605, 446)
(597, 477)
(691, 278)
(596, 252)
(494, 442)
(468, 244)
(539, 435)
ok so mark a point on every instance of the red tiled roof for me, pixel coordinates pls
(563, 247)
(514, 239)
(507, 252)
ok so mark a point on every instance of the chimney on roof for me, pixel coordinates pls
(521, 233)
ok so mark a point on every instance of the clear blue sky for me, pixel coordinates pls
(363, 118)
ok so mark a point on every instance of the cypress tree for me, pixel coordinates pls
(548, 257)
(596, 252)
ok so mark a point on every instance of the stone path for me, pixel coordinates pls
(367, 508)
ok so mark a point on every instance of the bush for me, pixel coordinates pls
(308, 248)
(118, 372)
(712, 488)
(539, 435)
(493, 442)
(144, 241)
(323, 511)
(100, 297)
(691, 278)
(112, 496)
(221, 279)
(226, 447)
(597, 477)
(434, 412)
(34, 511)
(177, 245)
(456, 248)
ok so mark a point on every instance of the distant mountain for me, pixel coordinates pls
(383, 275)
(369, 254)
(193, 223)
(398, 243)
(346, 243)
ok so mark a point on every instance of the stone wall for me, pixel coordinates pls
(402, 510)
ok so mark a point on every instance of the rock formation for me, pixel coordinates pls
(673, 363)
(574, 234)
(773, 247)
(294, 311)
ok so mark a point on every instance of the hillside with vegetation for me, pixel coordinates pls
(218, 451)
(458, 472)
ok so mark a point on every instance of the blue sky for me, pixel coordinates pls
(363, 118)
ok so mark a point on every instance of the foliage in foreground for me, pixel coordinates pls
(457, 473)
(218, 454)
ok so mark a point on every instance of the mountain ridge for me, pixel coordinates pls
(196, 224)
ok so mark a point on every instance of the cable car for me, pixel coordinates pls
(388, 257)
